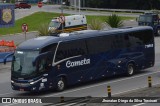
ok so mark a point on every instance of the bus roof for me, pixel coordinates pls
(40, 42)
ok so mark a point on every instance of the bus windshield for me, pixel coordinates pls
(22, 63)
(54, 24)
(145, 18)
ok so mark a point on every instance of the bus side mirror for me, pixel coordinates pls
(4, 62)
(5, 58)
(34, 62)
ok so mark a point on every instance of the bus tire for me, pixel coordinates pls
(60, 85)
(158, 31)
(130, 69)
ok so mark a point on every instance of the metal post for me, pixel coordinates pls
(62, 13)
(25, 34)
(62, 99)
(75, 4)
(79, 6)
(149, 81)
(83, 3)
(61, 6)
(109, 91)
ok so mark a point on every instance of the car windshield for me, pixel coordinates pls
(54, 24)
(145, 18)
(22, 63)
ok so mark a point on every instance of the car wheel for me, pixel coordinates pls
(130, 69)
(60, 85)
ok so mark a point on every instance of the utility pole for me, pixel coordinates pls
(75, 4)
(61, 6)
(62, 13)
(83, 3)
(79, 6)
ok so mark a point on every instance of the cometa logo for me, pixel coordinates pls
(77, 63)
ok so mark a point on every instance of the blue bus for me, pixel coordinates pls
(69, 58)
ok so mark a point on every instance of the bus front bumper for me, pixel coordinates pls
(38, 86)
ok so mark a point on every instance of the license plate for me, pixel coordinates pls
(21, 89)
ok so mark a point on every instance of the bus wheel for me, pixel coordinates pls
(130, 69)
(60, 84)
(158, 32)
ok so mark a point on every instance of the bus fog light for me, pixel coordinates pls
(119, 62)
(34, 88)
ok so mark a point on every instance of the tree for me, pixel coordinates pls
(95, 3)
(43, 30)
(96, 24)
(114, 21)
(125, 4)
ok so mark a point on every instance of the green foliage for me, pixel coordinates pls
(96, 24)
(33, 21)
(114, 21)
(36, 19)
(94, 3)
(43, 30)
(12, 1)
(124, 4)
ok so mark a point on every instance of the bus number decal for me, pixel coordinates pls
(149, 46)
(77, 63)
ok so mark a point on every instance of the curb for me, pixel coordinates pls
(17, 34)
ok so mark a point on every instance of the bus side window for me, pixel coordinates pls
(148, 37)
(46, 62)
(70, 49)
(118, 41)
(98, 44)
(127, 40)
(126, 37)
(41, 66)
(141, 37)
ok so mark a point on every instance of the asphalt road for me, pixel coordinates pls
(19, 13)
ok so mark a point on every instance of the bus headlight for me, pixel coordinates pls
(32, 83)
(35, 81)
(12, 81)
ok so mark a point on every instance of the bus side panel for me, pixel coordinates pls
(103, 65)
(149, 56)
(73, 69)
(111, 58)
(106, 64)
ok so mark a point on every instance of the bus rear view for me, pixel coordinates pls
(55, 62)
